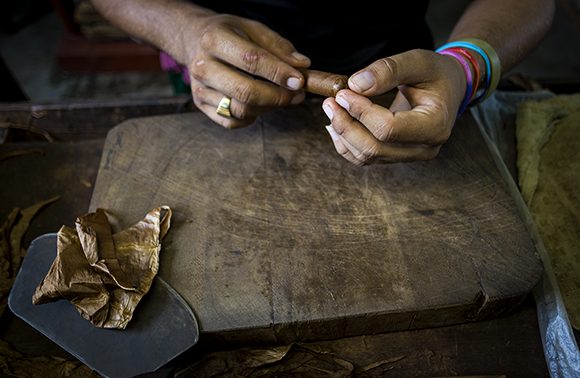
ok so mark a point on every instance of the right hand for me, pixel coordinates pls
(245, 60)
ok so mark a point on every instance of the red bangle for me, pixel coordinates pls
(476, 71)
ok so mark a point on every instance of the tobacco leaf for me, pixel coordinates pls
(105, 275)
(11, 251)
(548, 136)
(294, 360)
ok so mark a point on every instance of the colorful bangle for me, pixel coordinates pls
(482, 53)
(474, 65)
(495, 63)
(468, 78)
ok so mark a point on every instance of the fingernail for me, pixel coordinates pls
(332, 133)
(342, 102)
(293, 83)
(298, 98)
(299, 56)
(362, 81)
(328, 110)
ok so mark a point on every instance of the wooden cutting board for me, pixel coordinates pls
(276, 238)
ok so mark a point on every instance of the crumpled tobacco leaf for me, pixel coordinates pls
(105, 275)
(11, 251)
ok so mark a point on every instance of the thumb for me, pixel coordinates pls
(410, 67)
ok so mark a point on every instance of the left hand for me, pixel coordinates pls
(431, 88)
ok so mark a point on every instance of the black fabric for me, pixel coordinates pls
(339, 38)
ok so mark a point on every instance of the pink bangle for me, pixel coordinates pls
(468, 77)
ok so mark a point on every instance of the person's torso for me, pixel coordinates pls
(339, 38)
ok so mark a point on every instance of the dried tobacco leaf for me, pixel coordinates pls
(105, 275)
(294, 360)
(549, 175)
(19, 229)
(11, 251)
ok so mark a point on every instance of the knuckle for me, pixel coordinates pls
(245, 93)
(207, 39)
(197, 69)
(198, 94)
(441, 117)
(344, 152)
(387, 133)
(389, 65)
(240, 111)
(358, 162)
(367, 155)
(251, 60)
(283, 99)
(340, 130)
(277, 74)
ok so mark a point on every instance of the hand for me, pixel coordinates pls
(431, 88)
(230, 56)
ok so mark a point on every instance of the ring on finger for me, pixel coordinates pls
(223, 107)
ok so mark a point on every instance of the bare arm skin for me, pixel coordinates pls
(512, 27)
(431, 86)
(224, 54)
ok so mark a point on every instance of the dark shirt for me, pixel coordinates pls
(341, 39)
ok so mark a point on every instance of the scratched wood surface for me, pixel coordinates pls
(276, 238)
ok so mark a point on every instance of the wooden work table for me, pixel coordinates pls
(509, 345)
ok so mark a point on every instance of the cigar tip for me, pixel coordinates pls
(341, 82)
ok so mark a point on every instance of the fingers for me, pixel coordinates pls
(421, 125)
(410, 67)
(277, 45)
(255, 49)
(341, 146)
(363, 147)
(207, 100)
(241, 87)
(237, 109)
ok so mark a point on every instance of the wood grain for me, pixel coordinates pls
(276, 238)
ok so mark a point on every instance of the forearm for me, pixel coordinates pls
(512, 27)
(159, 22)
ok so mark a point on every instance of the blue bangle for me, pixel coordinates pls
(479, 50)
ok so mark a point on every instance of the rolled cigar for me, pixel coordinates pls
(324, 83)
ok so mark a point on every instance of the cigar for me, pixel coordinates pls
(324, 83)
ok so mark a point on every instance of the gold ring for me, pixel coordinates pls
(223, 108)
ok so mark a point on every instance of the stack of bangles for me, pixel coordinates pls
(463, 51)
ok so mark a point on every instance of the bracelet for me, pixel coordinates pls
(468, 78)
(491, 59)
(476, 72)
(495, 63)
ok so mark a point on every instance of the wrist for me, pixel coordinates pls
(476, 51)
(466, 74)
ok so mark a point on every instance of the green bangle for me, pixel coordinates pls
(495, 64)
